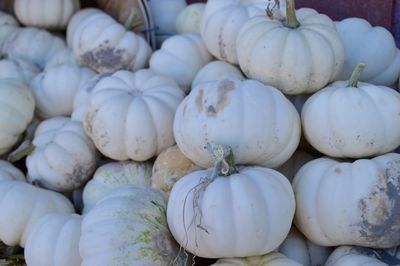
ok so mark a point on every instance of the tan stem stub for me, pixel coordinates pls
(355, 76)
(224, 164)
(291, 19)
(22, 151)
(132, 20)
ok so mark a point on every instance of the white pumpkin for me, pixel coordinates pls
(49, 14)
(18, 69)
(17, 106)
(361, 41)
(164, 13)
(9, 172)
(302, 250)
(221, 22)
(227, 212)
(214, 71)
(104, 45)
(55, 89)
(357, 256)
(22, 205)
(270, 259)
(347, 119)
(128, 227)
(188, 20)
(64, 157)
(296, 56)
(114, 175)
(257, 121)
(130, 115)
(54, 241)
(32, 44)
(186, 53)
(292, 166)
(76, 20)
(169, 167)
(349, 203)
(63, 56)
(8, 24)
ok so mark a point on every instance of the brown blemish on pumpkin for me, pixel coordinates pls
(105, 59)
(199, 100)
(338, 170)
(224, 88)
(211, 111)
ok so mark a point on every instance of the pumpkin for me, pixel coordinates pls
(349, 203)
(188, 20)
(104, 45)
(221, 22)
(130, 115)
(55, 88)
(9, 172)
(270, 259)
(292, 166)
(302, 250)
(299, 55)
(8, 24)
(114, 175)
(355, 120)
(361, 40)
(64, 157)
(54, 241)
(18, 69)
(76, 20)
(32, 44)
(227, 111)
(214, 71)
(360, 256)
(186, 53)
(164, 14)
(129, 225)
(228, 212)
(50, 14)
(63, 56)
(22, 205)
(169, 167)
(16, 111)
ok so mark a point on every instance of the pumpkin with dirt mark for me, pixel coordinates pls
(114, 47)
(114, 175)
(64, 157)
(130, 115)
(129, 225)
(227, 111)
(350, 203)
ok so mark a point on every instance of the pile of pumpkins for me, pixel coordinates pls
(248, 133)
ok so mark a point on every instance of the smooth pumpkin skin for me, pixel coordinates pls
(114, 175)
(188, 20)
(245, 214)
(169, 167)
(297, 247)
(49, 14)
(227, 111)
(32, 44)
(130, 115)
(9, 172)
(8, 24)
(76, 20)
(104, 45)
(186, 52)
(271, 259)
(361, 41)
(15, 117)
(352, 122)
(55, 89)
(129, 226)
(349, 203)
(54, 241)
(18, 69)
(355, 256)
(64, 157)
(63, 56)
(214, 71)
(24, 205)
(296, 61)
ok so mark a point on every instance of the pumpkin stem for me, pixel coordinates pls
(224, 163)
(291, 19)
(355, 77)
(131, 21)
(22, 151)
